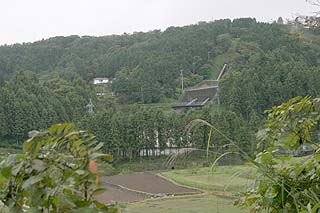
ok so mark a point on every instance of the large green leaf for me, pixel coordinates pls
(38, 165)
(32, 147)
(98, 191)
(3, 180)
(106, 157)
(6, 171)
(100, 205)
(16, 168)
(32, 180)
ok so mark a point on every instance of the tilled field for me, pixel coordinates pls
(139, 186)
(116, 195)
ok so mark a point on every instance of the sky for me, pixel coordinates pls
(32, 20)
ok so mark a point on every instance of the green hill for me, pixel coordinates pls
(151, 61)
(49, 81)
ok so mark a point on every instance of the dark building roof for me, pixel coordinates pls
(196, 98)
(201, 94)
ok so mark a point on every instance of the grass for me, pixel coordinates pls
(196, 203)
(217, 65)
(223, 179)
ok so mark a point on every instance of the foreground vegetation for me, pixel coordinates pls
(57, 172)
(284, 184)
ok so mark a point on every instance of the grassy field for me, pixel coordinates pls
(224, 180)
(197, 203)
(230, 179)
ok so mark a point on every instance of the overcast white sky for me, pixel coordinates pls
(31, 20)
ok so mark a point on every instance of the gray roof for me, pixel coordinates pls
(202, 93)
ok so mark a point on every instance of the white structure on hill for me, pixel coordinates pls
(98, 81)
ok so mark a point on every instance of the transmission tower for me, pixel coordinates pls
(90, 107)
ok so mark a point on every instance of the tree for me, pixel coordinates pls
(280, 20)
(311, 22)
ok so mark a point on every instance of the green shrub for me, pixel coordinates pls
(285, 184)
(56, 173)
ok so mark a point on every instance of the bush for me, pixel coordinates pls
(284, 183)
(56, 173)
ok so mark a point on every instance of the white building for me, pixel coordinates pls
(98, 81)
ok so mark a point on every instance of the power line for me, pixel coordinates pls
(141, 91)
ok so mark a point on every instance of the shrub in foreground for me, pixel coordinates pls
(57, 172)
(285, 183)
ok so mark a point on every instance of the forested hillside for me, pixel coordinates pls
(153, 60)
(49, 81)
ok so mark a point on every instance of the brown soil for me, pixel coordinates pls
(137, 187)
(116, 195)
(147, 182)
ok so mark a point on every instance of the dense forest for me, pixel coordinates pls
(50, 81)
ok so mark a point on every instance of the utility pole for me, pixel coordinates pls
(181, 72)
(209, 52)
(193, 65)
(218, 96)
(141, 92)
